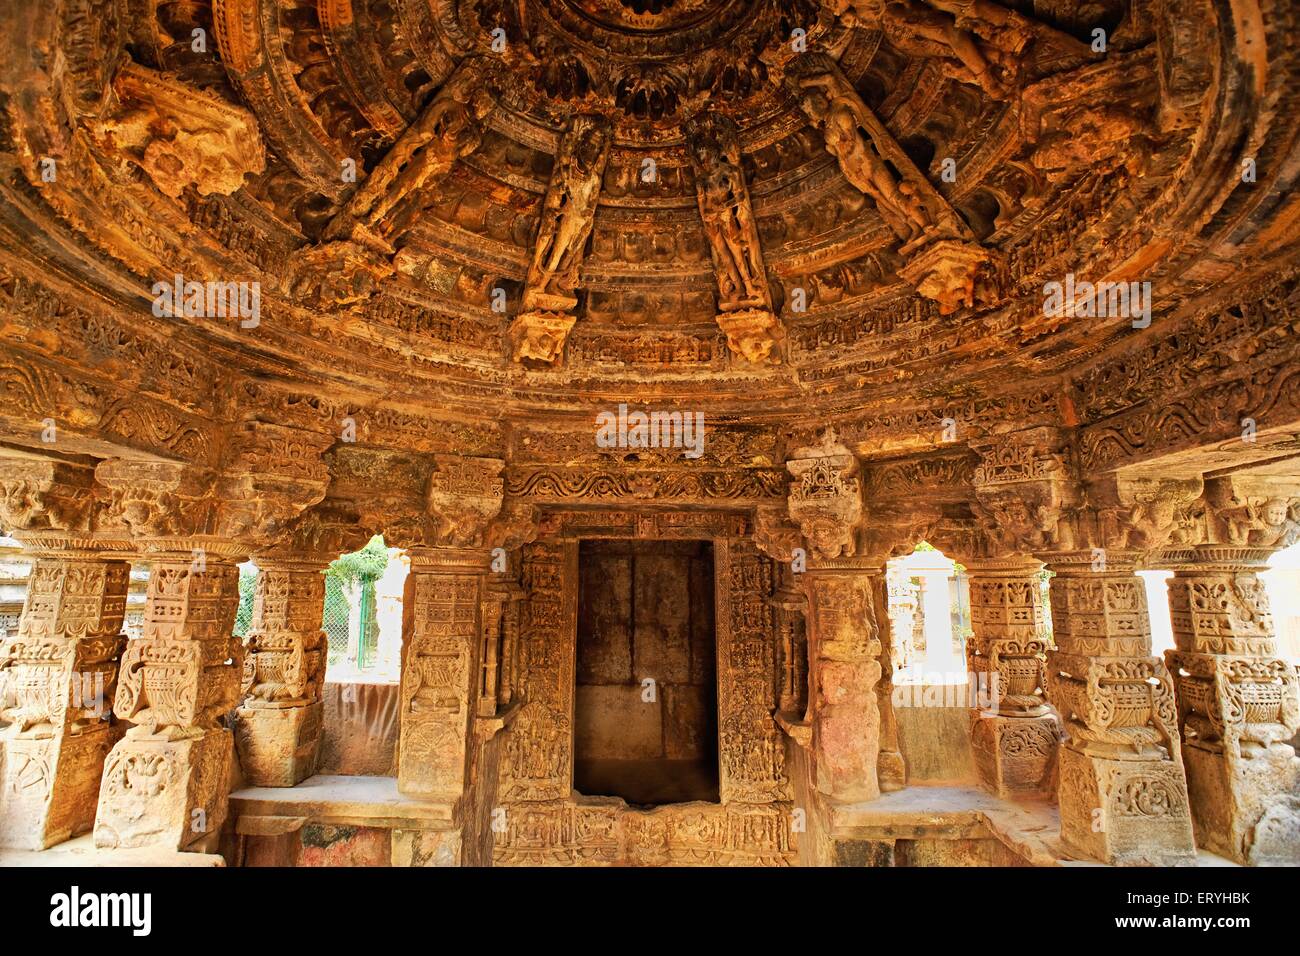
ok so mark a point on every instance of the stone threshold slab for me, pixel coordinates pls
(340, 800)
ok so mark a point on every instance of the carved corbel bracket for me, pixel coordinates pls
(540, 336)
(159, 500)
(1026, 495)
(775, 535)
(1144, 514)
(44, 495)
(464, 496)
(1261, 511)
(272, 473)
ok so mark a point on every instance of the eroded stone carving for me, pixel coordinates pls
(181, 136)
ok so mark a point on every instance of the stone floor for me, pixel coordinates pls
(81, 851)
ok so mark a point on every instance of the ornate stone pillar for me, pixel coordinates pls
(890, 764)
(1014, 740)
(278, 727)
(1122, 792)
(165, 783)
(1237, 705)
(62, 672)
(844, 644)
(844, 652)
(500, 635)
(1026, 490)
(440, 670)
(1237, 698)
(789, 606)
(446, 750)
(62, 663)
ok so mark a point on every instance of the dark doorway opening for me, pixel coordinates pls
(646, 702)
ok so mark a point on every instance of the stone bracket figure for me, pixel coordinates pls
(448, 129)
(944, 258)
(984, 42)
(355, 254)
(744, 297)
(568, 214)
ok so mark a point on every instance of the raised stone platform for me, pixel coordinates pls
(338, 821)
(1026, 830)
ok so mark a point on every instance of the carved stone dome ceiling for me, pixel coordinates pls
(776, 209)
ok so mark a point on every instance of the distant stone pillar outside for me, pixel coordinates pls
(278, 726)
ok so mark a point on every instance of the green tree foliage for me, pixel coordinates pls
(362, 566)
(244, 616)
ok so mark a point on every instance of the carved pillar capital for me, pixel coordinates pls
(1025, 491)
(826, 498)
(464, 496)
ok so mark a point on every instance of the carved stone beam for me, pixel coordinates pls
(568, 212)
(745, 311)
